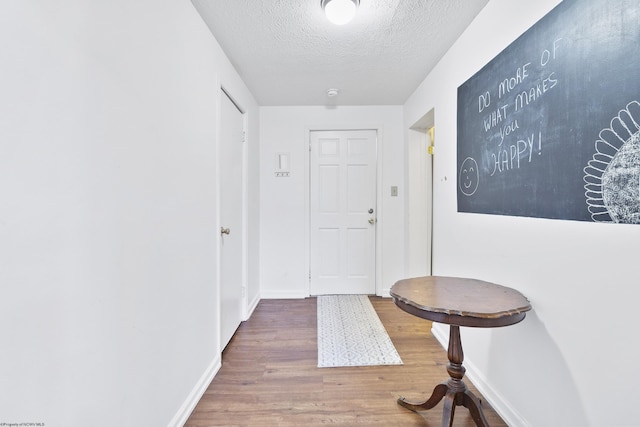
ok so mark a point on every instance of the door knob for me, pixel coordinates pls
(372, 221)
(224, 230)
(371, 210)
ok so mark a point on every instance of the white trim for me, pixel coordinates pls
(379, 213)
(218, 290)
(501, 405)
(283, 294)
(252, 307)
(385, 293)
(441, 333)
(307, 208)
(183, 414)
(245, 216)
(419, 201)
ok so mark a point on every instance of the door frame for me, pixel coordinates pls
(307, 197)
(419, 203)
(223, 91)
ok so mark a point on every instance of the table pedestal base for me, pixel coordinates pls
(454, 391)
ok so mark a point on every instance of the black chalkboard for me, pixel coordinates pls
(550, 127)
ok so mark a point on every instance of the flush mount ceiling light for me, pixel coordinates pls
(340, 11)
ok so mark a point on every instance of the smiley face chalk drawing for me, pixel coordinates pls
(469, 177)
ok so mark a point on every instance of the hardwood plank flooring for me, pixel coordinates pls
(269, 375)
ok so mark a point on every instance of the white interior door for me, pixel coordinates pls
(343, 212)
(231, 222)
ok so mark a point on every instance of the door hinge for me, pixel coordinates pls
(244, 136)
(430, 149)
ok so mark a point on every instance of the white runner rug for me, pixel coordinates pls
(351, 334)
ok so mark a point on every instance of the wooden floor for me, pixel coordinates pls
(269, 375)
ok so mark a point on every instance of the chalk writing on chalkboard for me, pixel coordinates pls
(528, 120)
(514, 153)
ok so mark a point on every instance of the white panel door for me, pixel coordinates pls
(343, 212)
(231, 224)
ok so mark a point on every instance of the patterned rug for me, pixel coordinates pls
(351, 334)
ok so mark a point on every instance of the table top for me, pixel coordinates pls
(460, 301)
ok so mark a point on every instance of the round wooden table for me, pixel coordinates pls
(457, 302)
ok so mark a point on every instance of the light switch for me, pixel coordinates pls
(394, 191)
(282, 165)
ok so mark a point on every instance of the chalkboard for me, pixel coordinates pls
(550, 128)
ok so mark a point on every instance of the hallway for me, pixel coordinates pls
(269, 375)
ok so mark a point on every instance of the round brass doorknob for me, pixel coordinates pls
(372, 221)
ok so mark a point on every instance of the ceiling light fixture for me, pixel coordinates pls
(340, 11)
(332, 92)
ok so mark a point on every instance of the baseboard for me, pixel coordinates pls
(385, 293)
(501, 405)
(298, 295)
(196, 394)
(283, 295)
(252, 306)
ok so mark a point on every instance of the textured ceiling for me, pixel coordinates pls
(289, 54)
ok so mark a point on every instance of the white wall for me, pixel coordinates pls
(572, 361)
(284, 201)
(108, 216)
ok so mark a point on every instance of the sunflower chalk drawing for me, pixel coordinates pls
(469, 177)
(612, 176)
